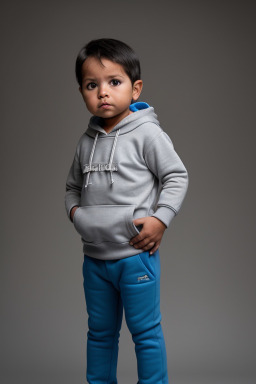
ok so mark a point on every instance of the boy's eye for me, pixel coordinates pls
(115, 82)
(91, 86)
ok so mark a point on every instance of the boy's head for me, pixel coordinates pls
(113, 50)
(108, 73)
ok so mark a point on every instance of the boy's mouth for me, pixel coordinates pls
(104, 105)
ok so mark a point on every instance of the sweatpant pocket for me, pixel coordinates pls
(151, 263)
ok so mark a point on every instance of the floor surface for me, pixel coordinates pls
(123, 379)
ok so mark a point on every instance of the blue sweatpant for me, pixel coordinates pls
(132, 283)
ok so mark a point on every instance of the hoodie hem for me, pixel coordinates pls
(103, 252)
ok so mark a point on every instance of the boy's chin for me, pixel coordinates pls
(112, 116)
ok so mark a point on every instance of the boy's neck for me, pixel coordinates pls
(110, 123)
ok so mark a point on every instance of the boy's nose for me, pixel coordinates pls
(102, 95)
(102, 92)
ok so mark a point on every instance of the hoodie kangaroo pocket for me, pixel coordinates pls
(105, 223)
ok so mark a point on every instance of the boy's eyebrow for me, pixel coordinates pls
(89, 78)
(118, 75)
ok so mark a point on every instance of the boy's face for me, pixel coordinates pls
(107, 90)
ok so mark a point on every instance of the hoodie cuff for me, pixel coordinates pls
(165, 215)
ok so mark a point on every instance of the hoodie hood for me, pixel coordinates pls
(142, 113)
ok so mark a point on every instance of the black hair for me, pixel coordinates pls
(111, 49)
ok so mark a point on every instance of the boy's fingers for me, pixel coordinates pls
(154, 249)
(141, 242)
(149, 246)
(144, 244)
(143, 235)
(136, 239)
(144, 247)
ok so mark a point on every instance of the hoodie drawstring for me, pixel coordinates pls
(110, 160)
(90, 161)
(112, 155)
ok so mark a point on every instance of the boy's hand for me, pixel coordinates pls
(72, 212)
(151, 234)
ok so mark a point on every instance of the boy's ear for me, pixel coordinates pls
(80, 89)
(136, 89)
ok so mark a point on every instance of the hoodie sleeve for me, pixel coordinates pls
(73, 185)
(166, 165)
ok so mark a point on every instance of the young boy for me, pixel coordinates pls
(124, 187)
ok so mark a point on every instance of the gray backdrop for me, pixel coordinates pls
(198, 66)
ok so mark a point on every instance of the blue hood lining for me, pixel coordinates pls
(138, 106)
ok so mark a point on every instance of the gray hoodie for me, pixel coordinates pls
(117, 177)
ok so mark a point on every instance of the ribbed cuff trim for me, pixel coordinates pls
(165, 215)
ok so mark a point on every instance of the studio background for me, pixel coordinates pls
(198, 67)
